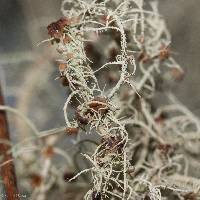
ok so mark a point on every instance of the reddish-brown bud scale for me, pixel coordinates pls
(48, 152)
(36, 180)
(164, 53)
(56, 29)
(67, 40)
(62, 67)
(62, 22)
(72, 130)
(99, 104)
(64, 81)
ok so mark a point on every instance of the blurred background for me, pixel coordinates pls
(28, 71)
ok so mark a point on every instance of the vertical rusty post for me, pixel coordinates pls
(7, 171)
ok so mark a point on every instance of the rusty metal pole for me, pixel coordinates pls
(7, 171)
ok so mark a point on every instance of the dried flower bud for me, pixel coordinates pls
(164, 52)
(99, 104)
(64, 81)
(48, 151)
(67, 40)
(54, 30)
(36, 180)
(62, 67)
(72, 130)
(62, 22)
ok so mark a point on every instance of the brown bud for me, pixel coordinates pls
(62, 67)
(67, 40)
(48, 151)
(56, 29)
(164, 52)
(99, 104)
(72, 130)
(64, 81)
(62, 22)
(36, 180)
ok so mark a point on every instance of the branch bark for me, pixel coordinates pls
(7, 171)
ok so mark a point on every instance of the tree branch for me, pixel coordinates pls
(7, 172)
